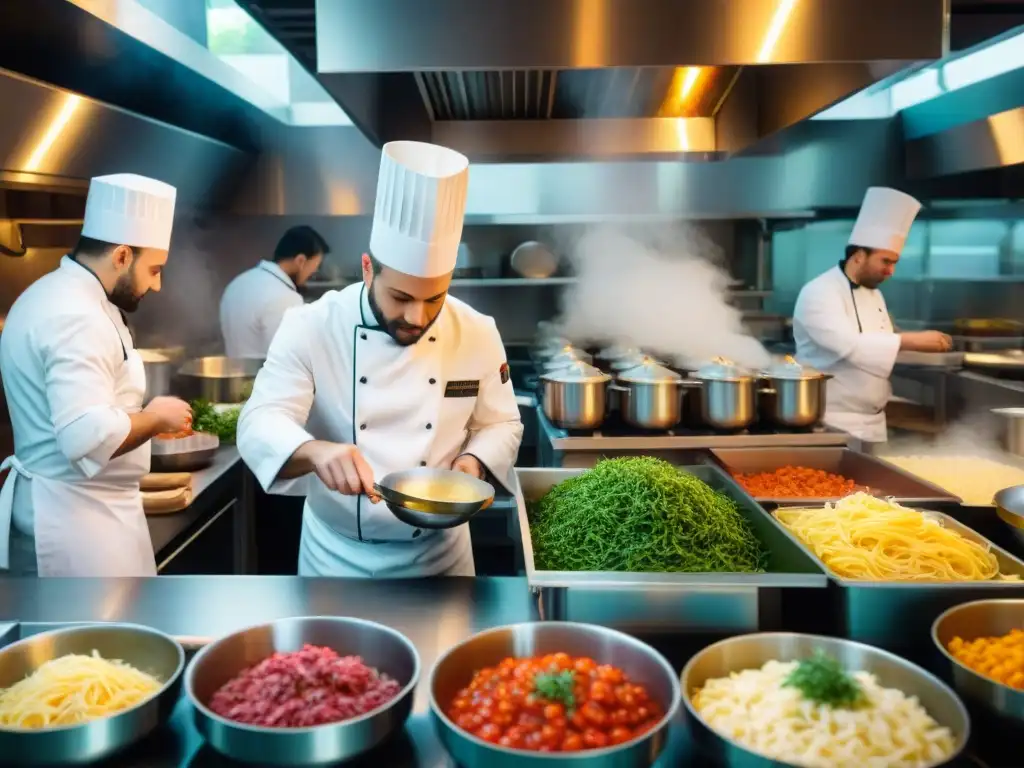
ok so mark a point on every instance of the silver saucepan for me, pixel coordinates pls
(575, 396)
(728, 396)
(650, 395)
(792, 395)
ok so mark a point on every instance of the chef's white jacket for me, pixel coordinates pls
(252, 308)
(333, 374)
(72, 377)
(845, 330)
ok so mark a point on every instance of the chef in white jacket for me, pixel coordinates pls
(842, 326)
(254, 303)
(389, 374)
(74, 384)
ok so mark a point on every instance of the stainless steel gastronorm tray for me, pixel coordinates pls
(889, 614)
(879, 477)
(726, 602)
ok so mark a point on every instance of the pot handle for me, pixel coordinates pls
(766, 391)
(690, 383)
(617, 387)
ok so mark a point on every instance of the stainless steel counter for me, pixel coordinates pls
(433, 613)
(163, 529)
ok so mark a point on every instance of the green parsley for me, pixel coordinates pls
(823, 679)
(557, 687)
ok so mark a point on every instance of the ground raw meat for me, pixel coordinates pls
(313, 686)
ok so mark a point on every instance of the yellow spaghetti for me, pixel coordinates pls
(868, 539)
(74, 689)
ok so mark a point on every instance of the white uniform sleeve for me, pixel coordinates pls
(495, 429)
(81, 356)
(273, 422)
(273, 315)
(817, 313)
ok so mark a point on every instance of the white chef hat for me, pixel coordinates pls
(126, 209)
(885, 218)
(421, 199)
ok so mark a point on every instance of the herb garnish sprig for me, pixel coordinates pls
(557, 687)
(823, 679)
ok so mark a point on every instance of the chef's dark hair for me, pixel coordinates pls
(852, 249)
(300, 240)
(91, 248)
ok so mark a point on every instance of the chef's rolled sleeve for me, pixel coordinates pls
(272, 424)
(495, 428)
(873, 352)
(82, 355)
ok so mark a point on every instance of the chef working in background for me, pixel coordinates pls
(388, 374)
(74, 386)
(842, 326)
(254, 303)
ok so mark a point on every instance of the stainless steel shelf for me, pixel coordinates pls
(562, 441)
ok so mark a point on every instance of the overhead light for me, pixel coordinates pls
(677, 99)
(53, 132)
(778, 23)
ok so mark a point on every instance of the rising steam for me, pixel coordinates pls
(661, 289)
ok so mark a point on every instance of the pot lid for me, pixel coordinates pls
(577, 372)
(789, 368)
(566, 355)
(649, 371)
(618, 351)
(721, 369)
(623, 364)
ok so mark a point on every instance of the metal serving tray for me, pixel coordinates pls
(895, 614)
(653, 602)
(879, 477)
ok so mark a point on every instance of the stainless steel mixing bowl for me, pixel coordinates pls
(755, 650)
(969, 621)
(640, 662)
(389, 651)
(144, 648)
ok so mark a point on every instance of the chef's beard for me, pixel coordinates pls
(124, 296)
(393, 326)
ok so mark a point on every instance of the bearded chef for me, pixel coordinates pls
(74, 384)
(388, 374)
(842, 326)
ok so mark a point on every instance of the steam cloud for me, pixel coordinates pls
(661, 289)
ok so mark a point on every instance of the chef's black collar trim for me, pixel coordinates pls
(124, 318)
(842, 268)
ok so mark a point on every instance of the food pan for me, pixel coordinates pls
(876, 476)
(668, 602)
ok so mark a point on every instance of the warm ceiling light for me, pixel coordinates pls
(53, 132)
(778, 23)
(683, 81)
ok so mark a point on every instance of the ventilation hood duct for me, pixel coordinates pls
(51, 139)
(978, 128)
(531, 80)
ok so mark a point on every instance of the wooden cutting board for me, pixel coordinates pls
(166, 502)
(166, 481)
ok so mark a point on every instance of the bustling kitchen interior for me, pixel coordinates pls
(525, 383)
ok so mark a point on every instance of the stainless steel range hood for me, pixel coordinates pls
(977, 128)
(56, 140)
(530, 80)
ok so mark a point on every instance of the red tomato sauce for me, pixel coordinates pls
(554, 703)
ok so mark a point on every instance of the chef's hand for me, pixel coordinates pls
(172, 414)
(925, 341)
(342, 468)
(469, 465)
